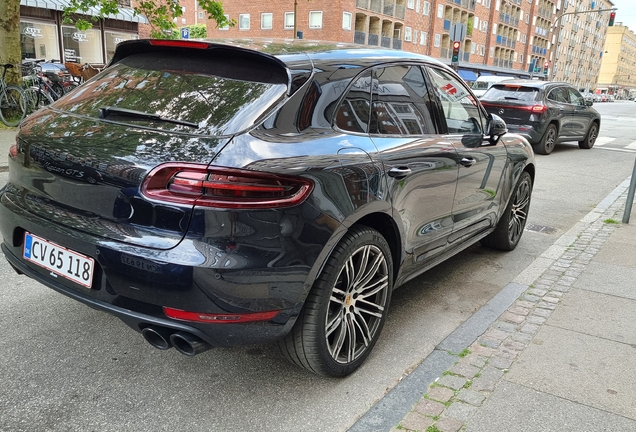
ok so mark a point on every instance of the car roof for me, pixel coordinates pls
(288, 50)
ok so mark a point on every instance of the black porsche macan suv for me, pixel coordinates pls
(220, 194)
(544, 112)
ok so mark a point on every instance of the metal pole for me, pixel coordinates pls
(295, 16)
(630, 196)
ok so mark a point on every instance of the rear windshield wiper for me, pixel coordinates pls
(510, 98)
(104, 112)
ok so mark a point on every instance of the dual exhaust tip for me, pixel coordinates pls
(165, 338)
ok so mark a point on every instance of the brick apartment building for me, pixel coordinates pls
(502, 36)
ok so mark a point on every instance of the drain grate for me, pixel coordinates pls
(540, 228)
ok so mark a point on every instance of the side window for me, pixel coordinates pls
(460, 108)
(400, 102)
(353, 112)
(575, 97)
(559, 94)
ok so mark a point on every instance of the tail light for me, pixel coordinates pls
(538, 108)
(219, 318)
(179, 43)
(221, 187)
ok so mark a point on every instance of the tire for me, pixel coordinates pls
(58, 90)
(548, 142)
(346, 308)
(590, 138)
(36, 99)
(510, 227)
(12, 106)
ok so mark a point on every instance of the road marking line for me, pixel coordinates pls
(618, 149)
(631, 146)
(601, 141)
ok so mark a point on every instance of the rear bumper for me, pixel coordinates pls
(217, 335)
(532, 132)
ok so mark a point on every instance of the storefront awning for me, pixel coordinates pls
(467, 75)
(125, 14)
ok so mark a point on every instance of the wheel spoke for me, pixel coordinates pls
(368, 311)
(362, 266)
(334, 323)
(374, 288)
(363, 328)
(351, 337)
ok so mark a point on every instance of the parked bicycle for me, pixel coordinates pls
(13, 105)
(39, 92)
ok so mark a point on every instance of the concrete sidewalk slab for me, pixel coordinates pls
(515, 408)
(581, 368)
(601, 315)
(609, 279)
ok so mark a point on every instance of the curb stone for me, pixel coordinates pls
(481, 367)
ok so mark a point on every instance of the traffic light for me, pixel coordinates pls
(611, 21)
(546, 65)
(456, 45)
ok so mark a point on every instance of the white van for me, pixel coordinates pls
(484, 82)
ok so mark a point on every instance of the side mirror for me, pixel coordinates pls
(496, 127)
(589, 102)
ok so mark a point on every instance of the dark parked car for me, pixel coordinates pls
(546, 113)
(264, 192)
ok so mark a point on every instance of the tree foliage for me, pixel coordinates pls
(161, 14)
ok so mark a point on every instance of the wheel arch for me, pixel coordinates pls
(385, 225)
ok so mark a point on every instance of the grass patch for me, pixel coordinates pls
(464, 353)
(611, 221)
(432, 428)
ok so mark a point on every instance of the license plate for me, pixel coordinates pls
(59, 260)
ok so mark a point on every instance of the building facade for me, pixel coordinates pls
(45, 36)
(618, 68)
(578, 40)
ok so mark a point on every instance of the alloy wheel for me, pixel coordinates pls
(357, 303)
(519, 212)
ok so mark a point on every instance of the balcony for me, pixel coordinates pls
(447, 25)
(373, 40)
(389, 9)
(362, 4)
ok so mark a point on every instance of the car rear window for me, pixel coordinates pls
(215, 96)
(508, 92)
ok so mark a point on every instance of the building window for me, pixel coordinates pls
(417, 6)
(112, 39)
(492, 52)
(266, 21)
(289, 20)
(200, 15)
(423, 37)
(427, 8)
(227, 26)
(244, 21)
(414, 36)
(407, 34)
(347, 18)
(437, 40)
(410, 4)
(521, 58)
(440, 11)
(484, 26)
(315, 19)
(39, 40)
(82, 46)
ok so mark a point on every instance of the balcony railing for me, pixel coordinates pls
(373, 40)
(363, 38)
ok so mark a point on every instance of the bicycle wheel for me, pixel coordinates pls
(12, 106)
(36, 99)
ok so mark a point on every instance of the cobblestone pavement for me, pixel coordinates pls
(451, 401)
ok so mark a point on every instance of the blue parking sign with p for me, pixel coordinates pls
(185, 33)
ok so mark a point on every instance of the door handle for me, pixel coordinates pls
(467, 162)
(399, 172)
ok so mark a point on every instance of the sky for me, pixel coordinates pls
(626, 13)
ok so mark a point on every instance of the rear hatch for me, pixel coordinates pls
(514, 103)
(81, 162)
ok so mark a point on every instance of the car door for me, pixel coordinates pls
(558, 100)
(420, 166)
(581, 114)
(478, 198)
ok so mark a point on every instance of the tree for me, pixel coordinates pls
(160, 13)
(10, 37)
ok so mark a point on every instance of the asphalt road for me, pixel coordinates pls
(66, 367)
